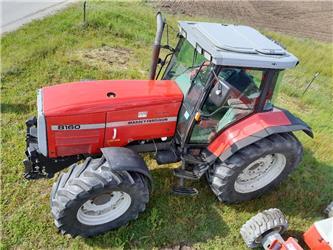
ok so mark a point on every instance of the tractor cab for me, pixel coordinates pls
(225, 72)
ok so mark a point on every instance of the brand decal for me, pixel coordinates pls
(147, 121)
(112, 124)
(141, 122)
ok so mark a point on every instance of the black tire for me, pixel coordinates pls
(89, 180)
(329, 210)
(223, 175)
(261, 224)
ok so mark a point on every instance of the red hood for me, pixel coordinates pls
(90, 97)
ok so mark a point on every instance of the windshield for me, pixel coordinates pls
(184, 65)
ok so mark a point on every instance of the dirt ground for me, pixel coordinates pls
(313, 19)
(104, 57)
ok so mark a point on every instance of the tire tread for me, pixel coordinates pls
(222, 175)
(262, 223)
(82, 180)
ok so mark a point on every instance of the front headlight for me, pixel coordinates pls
(41, 126)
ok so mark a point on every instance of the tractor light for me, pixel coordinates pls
(197, 116)
(41, 126)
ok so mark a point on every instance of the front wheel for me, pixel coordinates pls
(255, 169)
(91, 198)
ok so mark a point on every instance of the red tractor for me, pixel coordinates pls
(212, 110)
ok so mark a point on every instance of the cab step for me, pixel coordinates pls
(181, 173)
(185, 191)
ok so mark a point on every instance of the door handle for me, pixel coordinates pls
(114, 134)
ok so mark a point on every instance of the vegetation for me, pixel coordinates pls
(56, 49)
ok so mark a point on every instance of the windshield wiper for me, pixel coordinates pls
(187, 69)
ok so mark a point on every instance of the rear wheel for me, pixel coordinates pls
(91, 198)
(255, 169)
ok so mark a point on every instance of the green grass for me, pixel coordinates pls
(43, 53)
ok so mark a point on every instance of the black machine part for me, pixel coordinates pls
(125, 159)
(329, 210)
(167, 156)
(37, 165)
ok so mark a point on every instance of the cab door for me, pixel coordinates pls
(245, 87)
(193, 100)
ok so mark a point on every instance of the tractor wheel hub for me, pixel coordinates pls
(260, 173)
(104, 208)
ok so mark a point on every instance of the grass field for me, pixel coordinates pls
(59, 49)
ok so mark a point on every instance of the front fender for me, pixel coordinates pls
(252, 129)
(124, 159)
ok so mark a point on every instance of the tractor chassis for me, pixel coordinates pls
(37, 165)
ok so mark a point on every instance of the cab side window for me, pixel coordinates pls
(182, 64)
(245, 90)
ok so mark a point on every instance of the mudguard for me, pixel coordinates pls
(252, 129)
(124, 159)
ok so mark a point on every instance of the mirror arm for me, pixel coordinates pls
(168, 47)
(162, 63)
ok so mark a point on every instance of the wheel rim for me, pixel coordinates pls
(104, 208)
(260, 173)
(277, 229)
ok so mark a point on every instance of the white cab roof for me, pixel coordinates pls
(236, 45)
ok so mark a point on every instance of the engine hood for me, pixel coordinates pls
(107, 95)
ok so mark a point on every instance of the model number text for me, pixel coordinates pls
(68, 127)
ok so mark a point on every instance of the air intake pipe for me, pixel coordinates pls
(157, 45)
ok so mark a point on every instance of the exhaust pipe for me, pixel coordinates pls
(157, 45)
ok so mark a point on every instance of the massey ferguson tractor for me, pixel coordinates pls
(209, 105)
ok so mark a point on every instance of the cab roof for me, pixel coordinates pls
(236, 45)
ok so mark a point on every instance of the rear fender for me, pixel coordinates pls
(124, 159)
(252, 129)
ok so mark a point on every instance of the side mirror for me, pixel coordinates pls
(219, 94)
